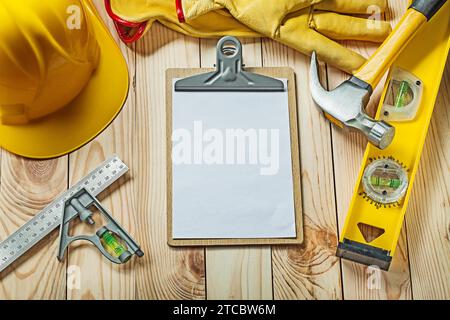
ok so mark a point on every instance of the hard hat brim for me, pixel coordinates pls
(85, 117)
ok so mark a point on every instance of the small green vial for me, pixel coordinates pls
(401, 99)
(385, 182)
(112, 244)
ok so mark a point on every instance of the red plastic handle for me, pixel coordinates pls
(125, 27)
(180, 13)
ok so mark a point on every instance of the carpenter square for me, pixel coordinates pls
(51, 216)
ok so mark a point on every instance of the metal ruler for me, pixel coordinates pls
(50, 217)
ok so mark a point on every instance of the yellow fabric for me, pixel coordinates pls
(210, 23)
(306, 25)
(62, 77)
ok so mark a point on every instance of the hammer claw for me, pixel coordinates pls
(316, 86)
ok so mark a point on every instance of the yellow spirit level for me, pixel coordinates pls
(386, 177)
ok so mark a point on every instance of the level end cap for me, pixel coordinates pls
(125, 256)
(100, 232)
(364, 254)
(139, 253)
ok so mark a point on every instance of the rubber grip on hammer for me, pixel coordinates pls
(428, 7)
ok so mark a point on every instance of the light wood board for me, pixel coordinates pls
(329, 163)
(249, 274)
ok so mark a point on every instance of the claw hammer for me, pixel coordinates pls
(345, 105)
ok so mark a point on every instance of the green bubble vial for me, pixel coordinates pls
(385, 181)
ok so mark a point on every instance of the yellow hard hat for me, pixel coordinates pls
(63, 78)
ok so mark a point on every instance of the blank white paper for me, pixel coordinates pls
(218, 197)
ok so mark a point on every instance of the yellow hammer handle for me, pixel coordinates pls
(377, 65)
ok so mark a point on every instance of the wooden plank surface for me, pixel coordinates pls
(27, 186)
(428, 217)
(169, 273)
(110, 281)
(330, 160)
(247, 271)
(310, 271)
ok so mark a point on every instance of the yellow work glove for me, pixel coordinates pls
(305, 25)
(134, 17)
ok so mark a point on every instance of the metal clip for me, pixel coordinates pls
(229, 75)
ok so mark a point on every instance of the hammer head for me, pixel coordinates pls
(346, 104)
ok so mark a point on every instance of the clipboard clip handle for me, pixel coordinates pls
(229, 74)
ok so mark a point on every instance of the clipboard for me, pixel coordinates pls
(230, 76)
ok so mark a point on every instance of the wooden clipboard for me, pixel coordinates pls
(286, 73)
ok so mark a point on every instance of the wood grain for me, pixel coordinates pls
(27, 186)
(330, 159)
(109, 281)
(248, 274)
(428, 215)
(348, 150)
(168, 273)
(309, 271)
(239, 273)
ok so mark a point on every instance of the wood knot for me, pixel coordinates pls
(189, 277)
(39, 171)
(195, 263)
(318, 244)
